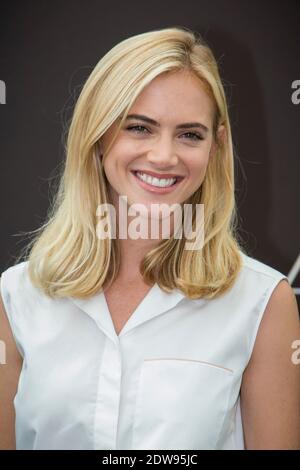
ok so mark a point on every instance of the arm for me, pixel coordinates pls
(270, 392)
(9, 376)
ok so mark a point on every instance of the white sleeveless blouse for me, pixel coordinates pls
(170, 380)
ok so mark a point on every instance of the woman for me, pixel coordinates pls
(126, 342)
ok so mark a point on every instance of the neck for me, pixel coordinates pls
(133, 250)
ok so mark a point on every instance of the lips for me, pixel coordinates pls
(156, 189)
(159, 175)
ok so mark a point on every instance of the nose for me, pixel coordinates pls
(162, 153)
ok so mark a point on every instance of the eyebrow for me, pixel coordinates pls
(186, 125)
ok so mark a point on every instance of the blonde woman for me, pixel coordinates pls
(126, 342)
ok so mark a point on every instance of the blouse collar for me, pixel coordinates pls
(156, 302)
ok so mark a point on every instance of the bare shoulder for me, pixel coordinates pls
(280, 324)
(10, 367)
(270, 392)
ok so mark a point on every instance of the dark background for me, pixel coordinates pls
(48, 49)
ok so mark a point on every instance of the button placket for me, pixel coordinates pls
(108, 398)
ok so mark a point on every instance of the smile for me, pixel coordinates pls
(155, 184)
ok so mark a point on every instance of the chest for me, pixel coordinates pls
(123, 299)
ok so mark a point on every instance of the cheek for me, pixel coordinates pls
(122, 155)
(115, 166)
(197, 164)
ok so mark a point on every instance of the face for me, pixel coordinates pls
(169, 145)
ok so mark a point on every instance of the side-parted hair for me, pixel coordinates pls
(66, 257)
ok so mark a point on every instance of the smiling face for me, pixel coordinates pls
(157, 144)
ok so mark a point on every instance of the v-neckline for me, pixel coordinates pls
(138, 307)
(155, 302)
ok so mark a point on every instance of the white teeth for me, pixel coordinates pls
(160, 182)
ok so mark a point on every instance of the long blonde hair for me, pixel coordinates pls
(66, 258)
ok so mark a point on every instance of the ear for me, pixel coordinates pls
(220, 139)
(221, 135)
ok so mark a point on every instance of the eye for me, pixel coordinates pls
(194, 136)
(137, 129)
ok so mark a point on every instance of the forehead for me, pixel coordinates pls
(177, 95)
